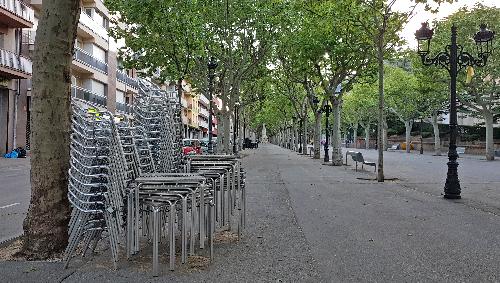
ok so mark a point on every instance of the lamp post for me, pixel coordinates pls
(327, 109)
(212, 65)
(454, 59)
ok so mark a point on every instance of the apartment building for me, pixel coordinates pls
(16, 18)
(96, 73)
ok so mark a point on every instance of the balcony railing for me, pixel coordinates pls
(88, 95)
(132, 82)
(93, 25)
(18, 8)
(203, 124)
(121, 76)
(203, 112)
(15, 62)
(91, 61)
(124, 107)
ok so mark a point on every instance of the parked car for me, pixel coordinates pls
(191, 146)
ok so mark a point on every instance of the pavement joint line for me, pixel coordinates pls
(9, 205)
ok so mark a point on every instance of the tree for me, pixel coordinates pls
(383, 28)
(433, 87)
(481, 97)
(46, 224)
(361, 103)
(403, 99)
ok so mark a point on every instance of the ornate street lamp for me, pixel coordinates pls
(454, 59)
(212, 65)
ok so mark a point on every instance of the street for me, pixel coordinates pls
(14, 196)
(314, 223)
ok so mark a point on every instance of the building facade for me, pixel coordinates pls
(96, 73)
(17, 20)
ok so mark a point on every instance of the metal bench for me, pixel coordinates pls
(358, 157)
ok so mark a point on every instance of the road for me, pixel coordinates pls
(14, 196)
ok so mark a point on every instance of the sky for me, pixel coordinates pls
(422, 16)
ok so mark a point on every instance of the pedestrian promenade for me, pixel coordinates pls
(307, 222)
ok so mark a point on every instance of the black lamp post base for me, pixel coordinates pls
(327, 157)
(452, 196)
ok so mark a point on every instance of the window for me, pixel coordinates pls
(88, 11)
(1, 40)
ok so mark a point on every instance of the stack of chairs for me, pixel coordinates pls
(128, 182)
(228, 178)
(96, 187)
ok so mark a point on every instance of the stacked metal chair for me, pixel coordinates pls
(228, 178)
(128, 181)
(95, 188)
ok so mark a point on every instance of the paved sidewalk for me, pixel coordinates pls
(14, 196)
(313, 223)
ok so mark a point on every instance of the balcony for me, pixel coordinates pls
(87, 95)
(124, 107)
(202, 124)
(203, 112)
(14, 66)
(204, 100)
(92, 25)
(15, 14)
(121, 76)
(89, 60)
(132, 82)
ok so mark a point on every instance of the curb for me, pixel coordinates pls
(7, 242)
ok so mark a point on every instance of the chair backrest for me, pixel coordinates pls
(358, 157)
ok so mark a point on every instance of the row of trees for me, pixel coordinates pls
(279, 60)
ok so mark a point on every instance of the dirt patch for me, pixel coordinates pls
(198, 263)
(226, 237)
(7, 253)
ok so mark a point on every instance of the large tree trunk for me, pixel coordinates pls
(304, 137)
(46, 224)
(295, 138)
(356, 135)
(408, 126)
(490, 148)
(336, 144)
(317, 135)
(367, 136)
(380, 58)
(226, 132)
(437, 139)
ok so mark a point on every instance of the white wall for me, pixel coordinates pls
(120, 96)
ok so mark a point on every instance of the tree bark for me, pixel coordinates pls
(226, 133)
(304, 136)
(46, 224)
(356, 135)
(336, 148)
(385, 134)
(437, 139)
(380, 58)
(408, 126)
(317, 135)
(367, 136)
(490, 149)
